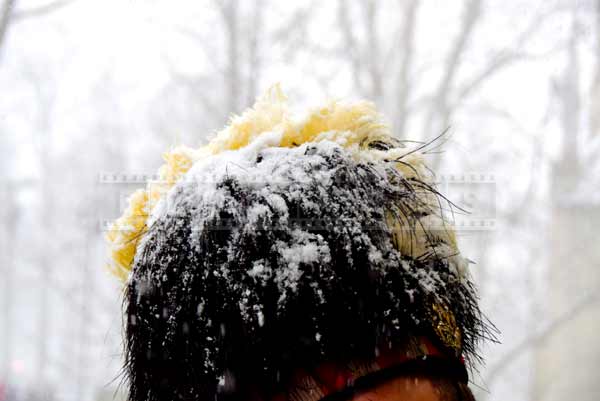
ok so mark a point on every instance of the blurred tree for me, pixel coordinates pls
(5, 16)
(234, 50)
(9, 15)
(573, 271)
(595, 89)
(385, 67)
(9, 216)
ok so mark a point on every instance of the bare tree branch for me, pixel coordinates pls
(507, 56)
(229, 13)
(439, 113)
(254, 58)
(373, 58)
(595, 92)
(291, 34)
(406, 41)
(520, 208)
(567, 90)
(40, 11)
(6, 14)
(471, 14)
(350, 44)
(494, 372)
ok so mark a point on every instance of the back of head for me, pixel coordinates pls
(286, 243)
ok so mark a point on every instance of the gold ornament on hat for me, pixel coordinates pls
(444, 325)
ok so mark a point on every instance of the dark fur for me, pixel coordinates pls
(168, 352)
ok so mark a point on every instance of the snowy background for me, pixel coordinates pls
(95, 87)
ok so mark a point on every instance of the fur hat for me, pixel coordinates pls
(283, 243)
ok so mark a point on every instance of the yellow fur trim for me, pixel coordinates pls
(351, 125)
(125, 232)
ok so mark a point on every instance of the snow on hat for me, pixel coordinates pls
(283, 243)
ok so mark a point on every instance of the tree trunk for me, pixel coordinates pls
(9, 232)
(5, 16)
(567, 360)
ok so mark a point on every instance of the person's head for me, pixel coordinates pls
(297, 260)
